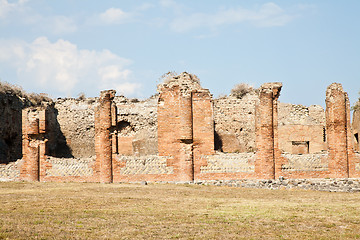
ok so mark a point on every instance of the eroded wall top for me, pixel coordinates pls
(187, 82)
(301, 115)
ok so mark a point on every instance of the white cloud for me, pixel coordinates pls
(268, 15)
(115, 16)
(6, 8)
(109, 74)
(60, 68)
(19, 12)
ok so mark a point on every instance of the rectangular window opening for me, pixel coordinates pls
(300, 147)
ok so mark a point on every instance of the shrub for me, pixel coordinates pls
(356, 106)
(240, 90)
(6, 87)
(222, 95)
(33, 98)
(81, 96)
(38, 98)
(173, 76)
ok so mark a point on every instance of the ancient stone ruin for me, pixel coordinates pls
(181, 134)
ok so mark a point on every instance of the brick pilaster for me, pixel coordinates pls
(34, 142)
(267, 137)
(338, 128)
(104, 137)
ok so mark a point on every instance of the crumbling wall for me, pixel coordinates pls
(301, 129)
(356, 126)
(175, 125)
(340, 161)
(73, 128)
(185, 125)
(10, 171)
(10, 127)
(306, 162)
(229, 163)
(137, 126)
(234, 120)
(170, 137)
(12, 101)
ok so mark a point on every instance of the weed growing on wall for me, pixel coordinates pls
(241, 89)
(356, 106)
(33, 98)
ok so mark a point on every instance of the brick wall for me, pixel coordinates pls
(203, 130)
(185, 140)
(301, 127)
(34, 142)
(294, 135)
(266, 125)
(105, 141)
(356, 126)
(175, 132)
(336, 125)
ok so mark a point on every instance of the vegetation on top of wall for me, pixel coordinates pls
(81, 96)
(33, 98)
(173, 76)
(356, 106)
(241, 89)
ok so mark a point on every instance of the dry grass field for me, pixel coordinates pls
(165, 211)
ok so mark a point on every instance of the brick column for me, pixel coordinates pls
(186, 139)
(114, 132)
(337, 126)
(175, 133)
(266, 125)
(103, 141)
(203, 128)
(185, 124)
(34, 142)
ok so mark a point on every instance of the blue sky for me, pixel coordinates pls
(67, 47)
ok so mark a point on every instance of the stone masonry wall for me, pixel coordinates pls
(306, 162)
(10, 127)
(10, 171)
(171, 137)
(234, 121)
(75, 120)
(74, 126)
(301, 129)
(229, 163)
(356, 126)
(137, 126)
